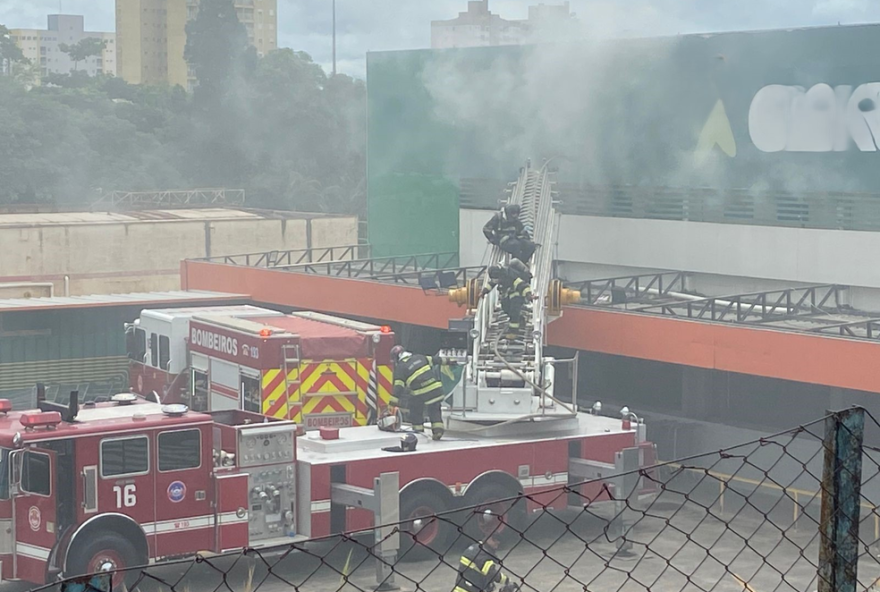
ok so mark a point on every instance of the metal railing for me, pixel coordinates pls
(807, 209)
(173, 198)
(773, 305)
(864, 329)
(414, 278)
(293, 257)
(376, 267)
(593, 292)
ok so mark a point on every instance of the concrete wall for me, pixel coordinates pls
(724, 258)
(145, 255)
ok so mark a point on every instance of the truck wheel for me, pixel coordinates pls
(485, 516)
(109, 548)
(422, 535)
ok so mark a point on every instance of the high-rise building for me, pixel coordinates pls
(480, 27)
(42, 46)
(151, 36)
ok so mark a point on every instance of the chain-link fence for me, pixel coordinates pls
(793, 511)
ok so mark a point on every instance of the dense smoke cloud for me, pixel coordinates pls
(632, 111)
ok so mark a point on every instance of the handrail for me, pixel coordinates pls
(292, 256)
(659, 283)
(367, 268)
(462, 275)
(769, 305)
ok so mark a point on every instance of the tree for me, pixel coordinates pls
(10, 53)
(83, 50)
(216, 48)
(276, 126)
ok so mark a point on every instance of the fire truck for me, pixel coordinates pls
(121, 484)
(311, 368)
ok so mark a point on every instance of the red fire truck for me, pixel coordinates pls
(128, 482)
(312, 368)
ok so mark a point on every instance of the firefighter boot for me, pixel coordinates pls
(437, 430)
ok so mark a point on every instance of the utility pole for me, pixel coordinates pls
(334, 37)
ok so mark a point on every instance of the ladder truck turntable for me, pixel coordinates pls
(131, 482)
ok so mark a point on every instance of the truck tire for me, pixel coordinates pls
(485, 515)
(421, 534)
(106, 548)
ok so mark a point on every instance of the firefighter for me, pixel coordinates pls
(514, 289)
(506, 231)
(479, 570)
(416, 382)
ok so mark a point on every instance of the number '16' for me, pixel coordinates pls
(125, 495)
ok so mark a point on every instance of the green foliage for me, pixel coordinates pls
(280, 129)
(10, 53)
(216, 45)
(83, 50)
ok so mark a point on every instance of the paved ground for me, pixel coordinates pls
(677, 547)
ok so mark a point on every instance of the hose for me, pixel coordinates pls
(528, 381)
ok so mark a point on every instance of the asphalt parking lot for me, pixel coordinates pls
(694, 543)
(677, 545)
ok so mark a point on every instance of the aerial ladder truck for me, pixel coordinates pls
(509, 387)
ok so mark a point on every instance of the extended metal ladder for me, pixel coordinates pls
(494, 388)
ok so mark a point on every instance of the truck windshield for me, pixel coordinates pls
(4, 473)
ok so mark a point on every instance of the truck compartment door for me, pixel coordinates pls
(330, 394)
(231, 493)
(35, 510)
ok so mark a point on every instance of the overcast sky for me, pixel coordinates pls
(367, 25)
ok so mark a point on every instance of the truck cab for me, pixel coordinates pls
(156, 344)
(119, 484)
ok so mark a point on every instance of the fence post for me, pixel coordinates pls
(841, 488)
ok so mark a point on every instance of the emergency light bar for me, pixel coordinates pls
(42, 419)
(5, 406)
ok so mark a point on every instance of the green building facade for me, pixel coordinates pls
(770, 128)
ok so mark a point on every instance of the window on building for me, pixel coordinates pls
(180, 450)
(125, 456)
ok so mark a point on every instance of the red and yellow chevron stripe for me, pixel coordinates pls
(386, 384)
(329, 386)
(277, 400)
(335, 386)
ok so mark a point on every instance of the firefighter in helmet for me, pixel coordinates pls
(479, 570)
(416, 383)
(506, 231)
(514, 289)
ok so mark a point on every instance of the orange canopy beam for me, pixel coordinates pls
(772, 353)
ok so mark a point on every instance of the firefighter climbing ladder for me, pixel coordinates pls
(507, 381)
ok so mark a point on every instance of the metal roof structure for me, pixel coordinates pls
(817, 308)
(133, 299)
